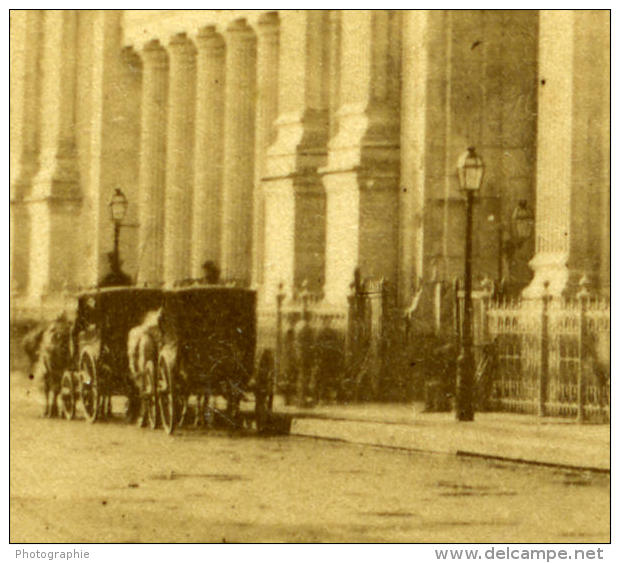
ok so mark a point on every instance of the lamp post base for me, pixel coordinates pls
(464, 386)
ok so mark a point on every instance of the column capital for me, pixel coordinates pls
(181, 46)
(130, 57)
(240, 27)
(208, 38)
(154, 54)
(268, 23)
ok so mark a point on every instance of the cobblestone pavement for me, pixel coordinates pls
(76, 482)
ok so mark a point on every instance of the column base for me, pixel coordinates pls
(550, 275)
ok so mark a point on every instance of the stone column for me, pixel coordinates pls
(106, 146)
(179, 159)
(266, 114)
(294, 196)
(209, 149)
(238, 178)
(26, 36)
(361, 178)
(334, 40)
(423, 91)
(572, 159)
(56, 197)
(152, 162)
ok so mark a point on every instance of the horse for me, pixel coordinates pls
(143, 344)
(54, 356)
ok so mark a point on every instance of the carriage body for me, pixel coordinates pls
(209, 345)
(104, 319)
(211, 331)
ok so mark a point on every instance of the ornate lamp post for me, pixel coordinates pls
(470, 169)
(118, 208)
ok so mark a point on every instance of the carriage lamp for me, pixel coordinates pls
(470, 170)
(118, 209)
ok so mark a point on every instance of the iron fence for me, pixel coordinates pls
(552, 356)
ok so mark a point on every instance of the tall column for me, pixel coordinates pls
(361, 179)
(152, 162)
(334, 41)
(572, 159)
(294, 196)
(56, 197)
(107, 149)
(266, 113)
(422, 113)
(26, 36)
(239, 127)
(179, 159)
(209, 149)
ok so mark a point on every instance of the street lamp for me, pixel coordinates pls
(511, 237)
(522, 223)
(470, 169)
(118, 208)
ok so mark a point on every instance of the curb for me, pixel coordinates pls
(430, 440)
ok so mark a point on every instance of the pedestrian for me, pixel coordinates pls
(329, 364)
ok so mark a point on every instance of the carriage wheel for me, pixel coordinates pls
(68, 396)
(89, 388)
(166, 396)
(263, 391)
(150, 396)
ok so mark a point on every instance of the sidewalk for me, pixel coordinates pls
(525, 438)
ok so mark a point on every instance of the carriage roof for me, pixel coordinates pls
(199, 314)
(118, 309)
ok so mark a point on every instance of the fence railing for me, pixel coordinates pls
(552, 357)
(548, 356)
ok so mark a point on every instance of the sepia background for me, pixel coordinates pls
(312, 156)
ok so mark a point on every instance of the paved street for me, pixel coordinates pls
(75, 482)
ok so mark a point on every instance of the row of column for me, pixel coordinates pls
(198, 150)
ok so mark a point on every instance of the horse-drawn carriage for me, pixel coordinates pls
(99, 362)
(208, 350)
(202, 345)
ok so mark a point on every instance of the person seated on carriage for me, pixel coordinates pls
(211, 273)
(115, 277)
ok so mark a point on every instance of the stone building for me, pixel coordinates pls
(292, 147)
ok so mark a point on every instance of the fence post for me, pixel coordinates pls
(544, 353)
(583, 300)
(456, 285)
(277, 362)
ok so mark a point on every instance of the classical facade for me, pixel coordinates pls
(292, 147)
